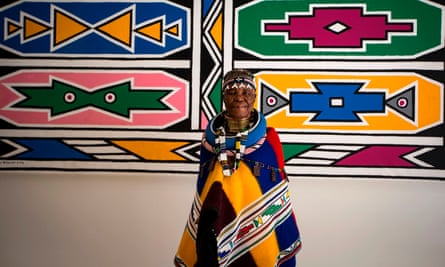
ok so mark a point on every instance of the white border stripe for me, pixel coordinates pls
(317, 154)
(343, 65)
(229, 31)
(365, 172)
(103, 63)
(100, 134)
(195, 101)
(101, 166)
(360, 139)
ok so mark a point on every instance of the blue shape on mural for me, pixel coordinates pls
(105, 29)
(49, 149)
(206, 5)
(337, 102)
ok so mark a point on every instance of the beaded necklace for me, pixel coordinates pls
(221, 150)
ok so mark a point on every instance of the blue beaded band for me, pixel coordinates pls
(256, 132)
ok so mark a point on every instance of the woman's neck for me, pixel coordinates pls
(236, 125)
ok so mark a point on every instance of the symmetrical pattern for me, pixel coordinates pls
(142, 29)
(354, 88)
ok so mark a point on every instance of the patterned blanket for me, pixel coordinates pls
(245, 219)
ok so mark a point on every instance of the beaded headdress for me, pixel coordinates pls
(238, 78)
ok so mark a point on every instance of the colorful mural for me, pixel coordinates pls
(355, 88)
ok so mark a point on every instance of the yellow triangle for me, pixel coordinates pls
(119, 28)
(216, 31)
(152, 30)
(174, 30)
(153, 150)
(12, 28)
(66, 27)
(32, 28)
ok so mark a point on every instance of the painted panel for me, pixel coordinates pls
(354, 87)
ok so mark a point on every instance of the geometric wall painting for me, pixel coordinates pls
(354, 88)
(349, 102)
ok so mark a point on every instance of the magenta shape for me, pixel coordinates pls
(381, 156)
(360, 27)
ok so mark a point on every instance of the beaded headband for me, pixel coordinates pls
(239, 82)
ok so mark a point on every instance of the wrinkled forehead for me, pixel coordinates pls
(239, 83)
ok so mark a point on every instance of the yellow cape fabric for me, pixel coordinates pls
(265, 252)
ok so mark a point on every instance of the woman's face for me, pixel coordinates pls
(239, 101)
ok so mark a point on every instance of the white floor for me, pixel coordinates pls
(115, 220)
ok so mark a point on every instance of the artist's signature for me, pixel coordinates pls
(11, 163)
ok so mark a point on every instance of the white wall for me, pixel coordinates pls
(100, 219)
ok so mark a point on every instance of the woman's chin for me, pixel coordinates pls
(239, 115)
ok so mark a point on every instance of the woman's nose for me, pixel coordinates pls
(239, 96)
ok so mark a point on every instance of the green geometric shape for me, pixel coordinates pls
(426, 16)
(215, 96)
(118, 99)
(292, 150)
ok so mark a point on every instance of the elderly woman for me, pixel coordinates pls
(242, 213)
